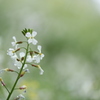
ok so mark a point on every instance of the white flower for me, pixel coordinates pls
(30, 58)
(41, 70)
(15, 42)
(10, 52)
(18, 63)
(31, 37)
(22, 54)
(39, 56)
(20, 97)
(14, 57)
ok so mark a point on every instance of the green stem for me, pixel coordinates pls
(18, 74)
(6, 89)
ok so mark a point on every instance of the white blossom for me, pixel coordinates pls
(15, 42)
(21, 54)
(31, 38)
(10, 52)
(18, 63)
(39, 56)
(20, 97)
(30, 58)
(41, 70)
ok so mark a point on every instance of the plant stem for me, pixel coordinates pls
(18, 74)
(6, 89)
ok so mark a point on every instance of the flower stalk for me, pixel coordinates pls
(18, 74)
(20, 61)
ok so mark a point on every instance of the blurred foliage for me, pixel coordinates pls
(69, 32)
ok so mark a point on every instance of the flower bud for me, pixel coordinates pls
(3, 84)
(22, 87)
(20, 42)
(7, 69)
(17, 50)
(22, 73)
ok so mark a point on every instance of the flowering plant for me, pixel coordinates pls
(21, 60)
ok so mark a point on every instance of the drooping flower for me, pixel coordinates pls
(39, 55)
(31, 38)
(41, 70)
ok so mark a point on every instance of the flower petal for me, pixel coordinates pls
(14, 38)
(42, 56)
(41, 70)
(39, 48)
(34, 41)
(28, 34)
(34, 33)
(29, 41)
(21, 54)
(13, 43)
(25, 66)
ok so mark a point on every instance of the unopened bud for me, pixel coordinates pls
(22, 58)
(7, 69)
(17, 50)
(3, 84)
(20, 42)
(31, 53)
(34, 65)
(22, 74)
(22, 87)
(36, 52)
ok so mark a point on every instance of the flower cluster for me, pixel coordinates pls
(32, 56)
(21, 59)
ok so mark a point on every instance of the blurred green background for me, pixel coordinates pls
(69, 32)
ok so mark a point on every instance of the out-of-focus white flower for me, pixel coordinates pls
(21, 54)
(38, 66)
(15, 42)
(31, 38)
(41, 70)
(2, 70)
(30, 58)
(6, 69)
(20, 97)
(18, 64)
(10, 52)
(39, 56)
(17, 61)
(14, 57)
